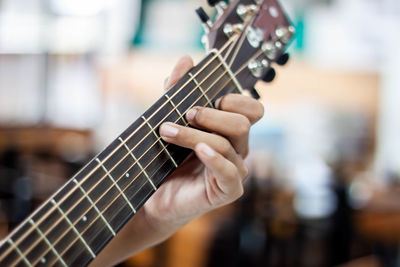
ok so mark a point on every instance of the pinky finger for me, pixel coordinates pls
(225, 172)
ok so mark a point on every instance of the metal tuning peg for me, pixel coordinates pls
(205, 19)
(243, 11)
(272, 49)
(285, 34)
(256, 67)
(230, 29)
(254, 94)
(269, 76)
(283, 59)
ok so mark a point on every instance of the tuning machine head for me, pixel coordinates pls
(243, 11)
(285, 33)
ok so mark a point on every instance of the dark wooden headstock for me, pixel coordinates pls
(252, 36)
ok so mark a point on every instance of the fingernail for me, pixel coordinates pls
(191, 114)
(167, 130)
(205, 149)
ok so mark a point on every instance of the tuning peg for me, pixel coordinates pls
(254, 94)
(283, 59)
(256, 67)
(205, 19)
(271, 49)
(243, 11)
(214, 2)
(285, 34)
(269, 76)
(230, 29)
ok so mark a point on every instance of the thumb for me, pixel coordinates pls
(183, 65)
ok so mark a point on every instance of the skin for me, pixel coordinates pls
(210, 178)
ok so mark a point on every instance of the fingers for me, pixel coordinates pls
(190, 137)
(245, 105)
(228, 179)
(233, 126)
(184, 64)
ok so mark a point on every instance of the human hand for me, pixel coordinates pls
(213, 175)
(209, 178)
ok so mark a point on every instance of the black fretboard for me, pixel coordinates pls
(73, 226)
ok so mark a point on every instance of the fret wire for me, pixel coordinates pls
(201, 89)
(138, 163)
(113, 151)
(73, 228)
(95, 207)
(19, 253)
(160, 141)
(116, 185)
(175, 107)
(157, 154)
(48, 243)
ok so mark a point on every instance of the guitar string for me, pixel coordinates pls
(121, 160)
(127, 187)
(97, 167)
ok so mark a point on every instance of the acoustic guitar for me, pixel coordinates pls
(247, 38)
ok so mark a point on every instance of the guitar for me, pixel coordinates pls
(77, 222)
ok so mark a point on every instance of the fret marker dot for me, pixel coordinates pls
(43, 260)
(84, 218)
(127, 175)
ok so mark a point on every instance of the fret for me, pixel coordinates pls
(176, 108)
(95, 207)
(43, 259)
(137, 163)
(201, 90)
(116, 185)
(73, 227)
(9, 240)
(229, 71)
(160, 141)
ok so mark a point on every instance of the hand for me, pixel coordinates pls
(212, 177)
(208, 179)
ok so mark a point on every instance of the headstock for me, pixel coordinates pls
(251, 35)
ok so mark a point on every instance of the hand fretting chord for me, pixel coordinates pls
(94, 206)
(73, 228)
(19, 251)
(176, 109)
(43, 259)
(201, 89)
(160, 141)
(138, 163)
(116, 185)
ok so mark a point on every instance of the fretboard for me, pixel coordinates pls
(73, 226)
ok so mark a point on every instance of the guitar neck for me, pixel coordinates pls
(73, 226)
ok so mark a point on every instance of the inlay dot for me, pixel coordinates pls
(43, 260)
(84, 218)
(127, 175)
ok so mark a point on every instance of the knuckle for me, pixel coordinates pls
(226, 146)
(243, 126)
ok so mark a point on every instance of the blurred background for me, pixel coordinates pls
(325, 162)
